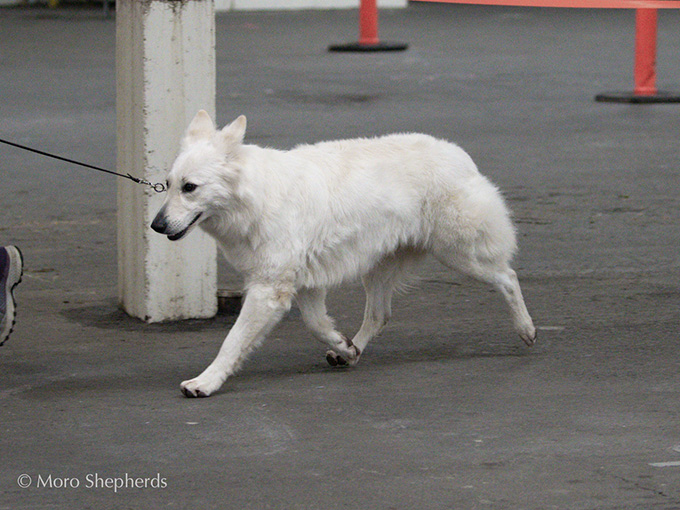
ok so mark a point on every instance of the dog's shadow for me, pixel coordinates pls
(108, 315)
(291, 350)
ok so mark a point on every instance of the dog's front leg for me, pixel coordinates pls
(263, 307)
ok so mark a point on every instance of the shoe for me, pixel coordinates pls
(11, 269)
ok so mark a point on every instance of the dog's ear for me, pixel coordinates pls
(200, 128)
(231, 136)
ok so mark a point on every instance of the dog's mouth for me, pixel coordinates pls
(180, 235)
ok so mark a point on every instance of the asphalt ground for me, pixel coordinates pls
(447, 409)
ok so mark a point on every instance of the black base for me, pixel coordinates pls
(381, 46)
(630, 97)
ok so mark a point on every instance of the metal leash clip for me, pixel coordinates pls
(158, 187)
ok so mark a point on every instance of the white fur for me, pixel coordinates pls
(297, 222)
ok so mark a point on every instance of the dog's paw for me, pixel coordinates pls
(334, 360)
(198, 388)
(529, 336)
(350, 358)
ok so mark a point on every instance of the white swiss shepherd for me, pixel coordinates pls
(298, 222)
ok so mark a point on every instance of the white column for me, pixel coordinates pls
(165, 64)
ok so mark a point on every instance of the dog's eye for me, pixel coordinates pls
(189, 187)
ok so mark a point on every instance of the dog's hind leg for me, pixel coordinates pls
(507, 283)
(378, 309)
(312, 304)
(480, 244)
(499, 274)
(263, 308)
(380, 284)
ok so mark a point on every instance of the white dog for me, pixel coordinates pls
(298, 222)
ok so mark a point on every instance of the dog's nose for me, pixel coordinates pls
(160, 223)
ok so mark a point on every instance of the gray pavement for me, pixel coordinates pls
(447, 409)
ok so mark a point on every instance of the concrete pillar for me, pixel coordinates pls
(165, 64)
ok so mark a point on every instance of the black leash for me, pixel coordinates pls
(158, 187)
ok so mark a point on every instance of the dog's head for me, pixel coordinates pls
(203, 178)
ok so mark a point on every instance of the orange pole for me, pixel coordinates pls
(368, 32)
(368, 22)
(645, 52)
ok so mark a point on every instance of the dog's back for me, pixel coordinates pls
(399, 191)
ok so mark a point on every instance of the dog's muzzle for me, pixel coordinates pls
(160, 222)
(161, 225)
